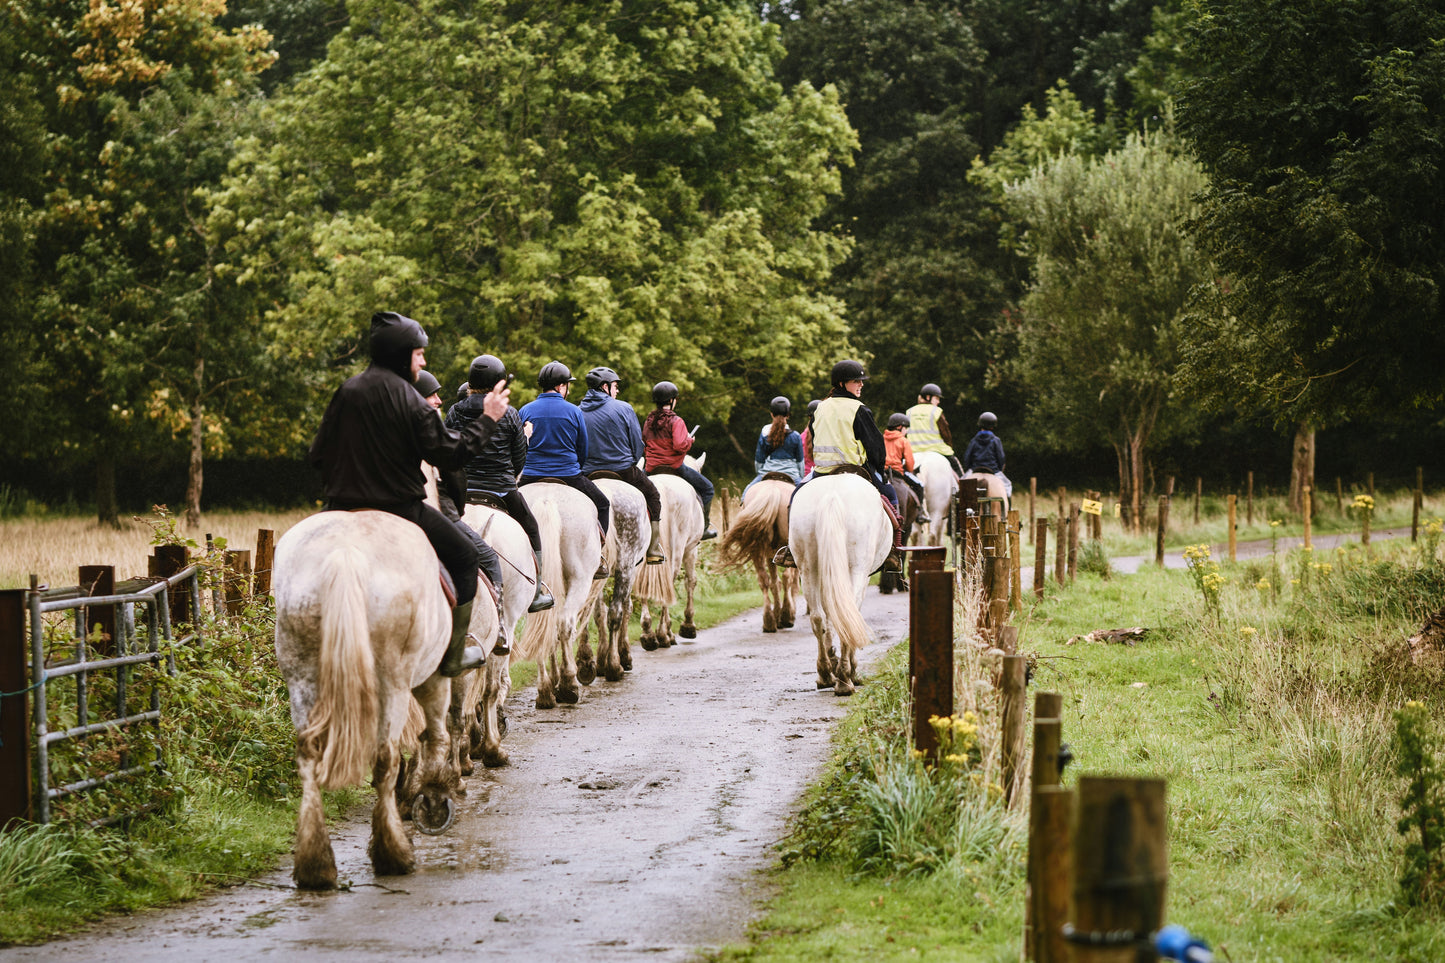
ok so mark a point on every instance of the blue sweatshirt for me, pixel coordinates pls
(984, 453)
(614, 439)
(559, 437)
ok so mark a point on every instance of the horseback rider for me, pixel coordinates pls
(928, 429)
(779, 448)
(984, 453)
(375, 434)
(614, 443)
(557, 445)
(844, 435)
(808, 438)
(666, 441)
(494, 472)
(900, 459)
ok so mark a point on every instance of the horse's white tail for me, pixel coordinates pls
(657, 583)
(834, 581)
(342, 722)
(539, 632)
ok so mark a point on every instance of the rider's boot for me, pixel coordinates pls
(894, 564)
(542, 599)
(460, 657)
(707, 530)
(784, 557)
(654, 547)
(602, 570)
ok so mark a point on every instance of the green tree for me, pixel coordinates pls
(617, 183)
(1099, 328)
(1319, 126)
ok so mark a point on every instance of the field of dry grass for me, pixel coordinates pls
(54, 548)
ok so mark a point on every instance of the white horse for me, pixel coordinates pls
(839, 533)
(940, 485)
(362, 623)
(681, 527)
(625, 550)
(571, 551)
(759, 529)
(487, 690)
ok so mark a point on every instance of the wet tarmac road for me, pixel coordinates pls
(630, 826)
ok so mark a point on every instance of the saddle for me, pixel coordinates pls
(664, 470)
(887, 505)
(547, 480)
(602, 473)
(487, 499)
(778, 476)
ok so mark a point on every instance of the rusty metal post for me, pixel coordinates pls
(1120, 863)
(1041, 556)
(98, 580)
(930, 656)
(265, 557)
(16, 785)
(1013, 696)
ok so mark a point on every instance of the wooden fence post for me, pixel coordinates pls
(16, 785)
(930, 640)
(237, 581)
(265, 556)
(1041, 558)
(1418, 503)
(1249, 500)
(1120, 863)
(1033, 494)
(1233, 516)
(1198, 496)
(1015, 561)
(99, 580)
(1370, 483)
(1013, 697)
(1339, 497)
(1061, 546)
(1365, 528)
(165, 561)
(1309, 513)
(1050, 808)
(1163, 527)
(1073, 541)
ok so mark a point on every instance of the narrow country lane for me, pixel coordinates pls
(630, 826)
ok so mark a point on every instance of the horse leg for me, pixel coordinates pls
(390, 849)
(616, 607)
(315, 863)
(567, 690)
(648, 640)
(788, 586)
(546, 694)
(825, 659)
(498, 680)
(689, 567)
(770, 618)
(586, 662)
(459, 760)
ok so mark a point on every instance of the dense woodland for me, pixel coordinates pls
(1181, 237)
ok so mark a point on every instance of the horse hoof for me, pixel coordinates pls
(824, 683)
(626, 660)
(466, 768)
(688, 631)
(586, 673)
(648, 644)
(433, 818)
(842, 689)
(569, 696)
(496, 760)
(785, 624)
(546, 702)
(769, 629)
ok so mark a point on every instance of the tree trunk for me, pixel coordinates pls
(198, 434)
(744, 453)
(1126, 502)
(1302, 466)
(106, 512)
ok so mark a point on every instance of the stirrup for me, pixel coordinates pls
(541, 600)
(657, 559)
(602, 571)
(784, 557)
(501, 646)
(708, 532)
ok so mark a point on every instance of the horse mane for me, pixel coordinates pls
(760, 528)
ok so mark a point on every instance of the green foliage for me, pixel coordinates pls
(1319, 127)
(1422, 881)
(1065, 129)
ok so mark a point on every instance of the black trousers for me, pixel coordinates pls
(456, 545)
(638, 479)
(584, 485)
(521, 512)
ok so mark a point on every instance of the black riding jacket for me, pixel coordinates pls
(497, 467)
(375, 434)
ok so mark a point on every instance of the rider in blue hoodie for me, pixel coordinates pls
(985, 451)
(614, 443)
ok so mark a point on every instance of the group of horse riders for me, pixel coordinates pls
(842, 437)
(383, 423)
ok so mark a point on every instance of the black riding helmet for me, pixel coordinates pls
(485, 372)
(427, 384)
(813, 406)
(600, 376)
(463, 390)
(930, 389)
(393, 338)
(849, 371)
(780, 406)
(663, 392)
(898, 420)
(988, 420)
(554, 373)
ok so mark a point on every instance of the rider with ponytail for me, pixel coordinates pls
(666, 442)
(779, 448)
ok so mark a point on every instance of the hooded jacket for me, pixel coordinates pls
(984, 453)
(614, 439)
(496, 468)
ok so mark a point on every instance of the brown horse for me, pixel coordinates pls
(907, 515)
(756, 534)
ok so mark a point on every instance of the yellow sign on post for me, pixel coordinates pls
(1090, 507)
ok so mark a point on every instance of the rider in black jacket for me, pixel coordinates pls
(373, 438)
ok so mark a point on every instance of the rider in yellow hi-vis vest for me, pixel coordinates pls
(844, 434)
(928, 429)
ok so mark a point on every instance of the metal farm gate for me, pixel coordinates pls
(86, 680)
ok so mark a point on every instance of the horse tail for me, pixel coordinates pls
(539, 632)
(343, 719)
(759, 528)
(655, 582)
(833, 575)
